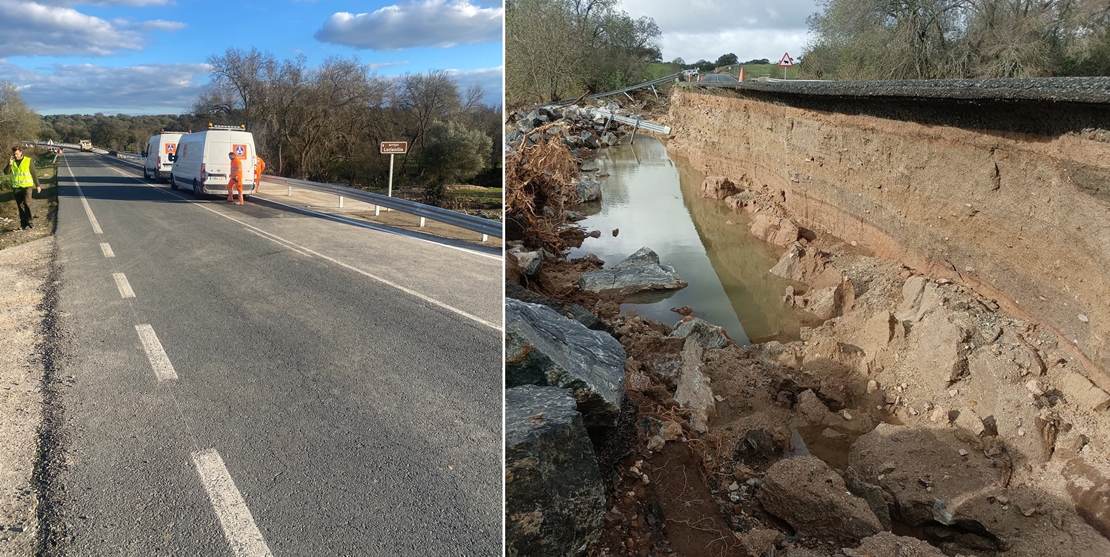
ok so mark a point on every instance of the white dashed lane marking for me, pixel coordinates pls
(107, 250)
(235, 518)
(159, 361)
(125, 290)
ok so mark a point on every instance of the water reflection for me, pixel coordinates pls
(655, 202)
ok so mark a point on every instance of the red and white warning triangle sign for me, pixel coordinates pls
(786, 60)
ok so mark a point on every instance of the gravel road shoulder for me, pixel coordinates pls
(24, 269)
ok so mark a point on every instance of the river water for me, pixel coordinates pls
(656, 202)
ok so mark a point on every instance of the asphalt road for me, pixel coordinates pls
(279, 384)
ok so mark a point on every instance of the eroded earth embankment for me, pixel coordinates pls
(1009, 196)
(949, 404)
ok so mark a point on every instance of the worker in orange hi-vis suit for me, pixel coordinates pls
(235, 178)
(259, 166)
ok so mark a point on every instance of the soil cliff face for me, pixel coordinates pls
(1023, 216)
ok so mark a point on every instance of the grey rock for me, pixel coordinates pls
(554, 495)
(589, 166)
(608, 138)
(693, 390)
(514, 138)
(529, 260)
(589, 190)
(705, 333)
(543, 347)
(641, 271)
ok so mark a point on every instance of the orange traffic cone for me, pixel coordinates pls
(741, 78)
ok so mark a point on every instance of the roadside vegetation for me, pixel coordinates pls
(931, 39)
(326, 123)
(563, 49)
(44, 206)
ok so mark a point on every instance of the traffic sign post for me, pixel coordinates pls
(786, 62)
(393, 148)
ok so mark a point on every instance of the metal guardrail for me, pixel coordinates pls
(657, 128)
(469, 222)
(483, 226)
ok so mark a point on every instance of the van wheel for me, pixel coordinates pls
(173, 183)
(196, 189)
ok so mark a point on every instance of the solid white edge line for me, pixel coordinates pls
(384, 228)
(88, 210)
(235, 518)
(125, 290)
(159, 361)
(107, 249)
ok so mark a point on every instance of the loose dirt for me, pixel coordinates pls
(23, 269)
(928, 390)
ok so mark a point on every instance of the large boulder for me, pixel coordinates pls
(705, 333)
(780, 231)
(543, 347)
(641, 271)
(693, 389)
(554, 495)
(589, 190)
(807, 265)
(812, 497)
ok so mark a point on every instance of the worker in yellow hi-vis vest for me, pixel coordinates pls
(22, 172)
(235, 178)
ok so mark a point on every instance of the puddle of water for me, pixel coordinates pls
(656, 202)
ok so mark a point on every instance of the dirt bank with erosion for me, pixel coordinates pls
(950, 399)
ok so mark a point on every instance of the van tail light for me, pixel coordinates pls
(203, 172)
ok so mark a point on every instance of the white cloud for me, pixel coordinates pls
(80, 88)
(489, 78)
(745, 44)
(159, 25)
(43, 30)
(699, 16)
(415, 23)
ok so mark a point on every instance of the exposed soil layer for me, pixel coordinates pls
(988, 201)
(951, 391)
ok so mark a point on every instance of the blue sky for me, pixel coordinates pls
(148, 56)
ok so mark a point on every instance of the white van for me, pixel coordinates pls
(202, 165)
(156, 155)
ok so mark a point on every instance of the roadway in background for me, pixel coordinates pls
(253, 380)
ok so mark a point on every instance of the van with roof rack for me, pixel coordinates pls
(156, 155)
(201, 161)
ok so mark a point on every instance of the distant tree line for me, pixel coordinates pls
(559, 49)
(705, 66)
(326, 124)
(930, 39)
(17, 121)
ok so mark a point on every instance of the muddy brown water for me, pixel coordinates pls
(655, 201)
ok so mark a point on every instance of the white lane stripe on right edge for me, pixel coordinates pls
(159, 361)
(235, 518)
(107, 250)
(125, 290)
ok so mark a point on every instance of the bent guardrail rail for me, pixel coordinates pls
(483, 226)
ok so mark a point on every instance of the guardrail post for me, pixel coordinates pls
(341, 202)
(289, 191)
(485, 238)
(632, 141)
(421, 222)
(377, 210)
